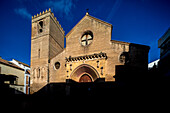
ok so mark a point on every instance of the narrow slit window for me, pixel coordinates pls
(39, 53)
(38, 73)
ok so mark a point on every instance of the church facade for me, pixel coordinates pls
(89, 56)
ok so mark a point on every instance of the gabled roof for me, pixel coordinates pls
(22, 63)
(87, 15)
(8, 63)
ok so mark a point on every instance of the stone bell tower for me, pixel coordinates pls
(47, 40)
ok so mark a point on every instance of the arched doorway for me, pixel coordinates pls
(85, 78)
(84, 73)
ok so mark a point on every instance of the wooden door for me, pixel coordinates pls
(85, 78)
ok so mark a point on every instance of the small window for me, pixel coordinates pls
(21, 88)
(38, 76)
(40, 26)
(124, 57)
(41, 30)
(38, 53)
(57, 65)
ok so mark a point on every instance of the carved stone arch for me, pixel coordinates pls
(35, 73)
(86, 77)
(43, 72)
(82, 70)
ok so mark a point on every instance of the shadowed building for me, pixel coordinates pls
(164, 45)
(89, 56)
(26, 76)
(12, 75)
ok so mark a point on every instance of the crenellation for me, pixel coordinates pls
(52, 15)
(49, 10)
(42, 13)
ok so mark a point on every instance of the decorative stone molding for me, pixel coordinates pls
(86, 57)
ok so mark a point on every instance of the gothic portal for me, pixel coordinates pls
(89, 55)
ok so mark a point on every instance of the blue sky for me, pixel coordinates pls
(136, 21)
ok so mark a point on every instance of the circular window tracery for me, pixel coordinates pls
(86, 38)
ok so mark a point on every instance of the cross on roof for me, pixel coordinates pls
(87, 11)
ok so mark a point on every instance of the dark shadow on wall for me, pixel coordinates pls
(134, 85)
(71, 94)
(5, 82)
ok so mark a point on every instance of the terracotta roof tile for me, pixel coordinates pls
(5, 62)
(22, 63)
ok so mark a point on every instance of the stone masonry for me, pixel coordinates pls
(89, 51)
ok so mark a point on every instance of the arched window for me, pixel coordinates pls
(124, 57)
(40, 26)
(38, 74)
(34, 73)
